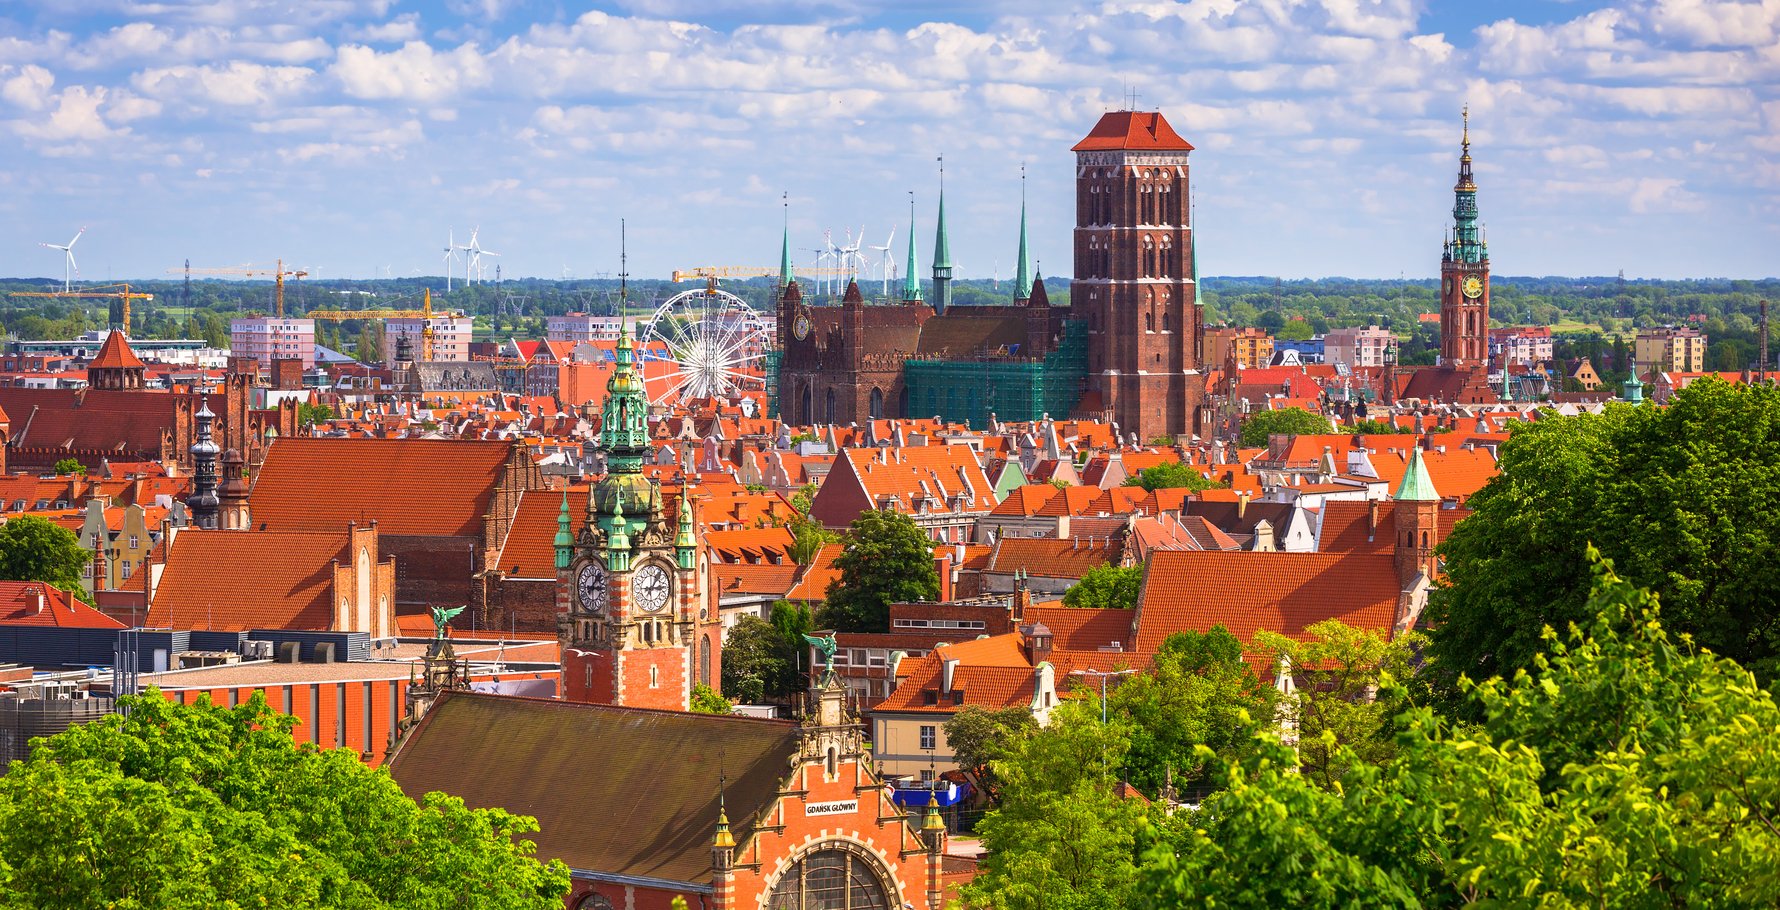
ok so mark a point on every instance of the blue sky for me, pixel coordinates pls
(351, 136)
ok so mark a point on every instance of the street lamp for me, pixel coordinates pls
(1103, 674)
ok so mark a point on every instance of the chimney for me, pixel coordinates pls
(1371, 518)
(1241, 504)
(38, 600)
(948, 669)
(944, 570)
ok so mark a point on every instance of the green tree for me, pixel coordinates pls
(1061, 839)
(1679, 498)
(1295, 330)
(1342, 707)
(1106, 586)
(1632, 771)
(176, 806)
(804, 496)
(1259, 426)
(754, 660)
(807, 540)
(888, 559)
(35, 549)
(68, 466)
(980, 737)
(793, 622)
(311, 414)
(1170, 475)
(1368, 428)
(706, 700)
(369, 347)
(1198, 694)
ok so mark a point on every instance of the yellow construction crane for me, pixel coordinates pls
(126, 295)
(425, 314)
(278, 274)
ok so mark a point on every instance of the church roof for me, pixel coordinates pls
(1247, 592)
(618, 791)
(1132, 130)
(435, 488)
(233, 581)
(115, 354)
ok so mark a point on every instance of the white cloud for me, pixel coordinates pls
(235, 84)
(75, 117)
(405, 27)
(27, 86)
(415, 72)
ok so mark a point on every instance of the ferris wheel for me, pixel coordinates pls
(713, 341)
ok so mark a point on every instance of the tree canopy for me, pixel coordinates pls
(174, 806)
(1679, 498)
(67, 466)
(1257, 427)
(888, 559)
(36, 549)
(1170, 475)
(980, 737)
(1106, 586)
(1632, 771)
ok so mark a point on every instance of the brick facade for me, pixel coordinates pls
(1134, 274)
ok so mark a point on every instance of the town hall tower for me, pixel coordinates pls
(1465, 274)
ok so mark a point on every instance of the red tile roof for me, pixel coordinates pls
(1026, 500)
(115, 354)
(1084, 629)
(233, 581)
(1052, 558)
(1248, 592)
(419, 487)
(19, 607)
(530, 550)
(1132, 130)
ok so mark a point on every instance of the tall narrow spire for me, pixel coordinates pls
(942, 251)
(203, 503)
(1467, 244)
(1023, 267)
(785, 276)
(911, 280)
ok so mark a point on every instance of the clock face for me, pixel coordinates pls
(1473, 286)
(590, 587)
(650, 587)
(800, 327)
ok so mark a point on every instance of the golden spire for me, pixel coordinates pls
(1465, 113)
(933, 821)
(724, 840)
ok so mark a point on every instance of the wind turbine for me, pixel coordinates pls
(476, 254)
(851, 259)
(824, 253)
(450, 251)
(884, 259)
(69, 269)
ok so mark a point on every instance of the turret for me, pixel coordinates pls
(1023, 260)
(203, 502)
(565, 542)
(685, 544)
(1418, 522)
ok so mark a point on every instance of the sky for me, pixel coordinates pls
(352, 138)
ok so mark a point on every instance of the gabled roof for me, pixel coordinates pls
(1026, 500)
(1080, 629)
(1279, 592)
(421, 487)
(619, 791)
(1049, 557)
(530, 548)
(62, 610)
(1132, 130)
(233, 581)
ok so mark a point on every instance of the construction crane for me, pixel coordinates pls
(425, 314)
(126, 295)
(277, 273)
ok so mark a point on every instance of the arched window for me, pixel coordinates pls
(704, 661)
(877, 403)
(830, 879)
(594, 902)
(828, 416)
(654, 677)
(808, 412)
(1149, 321)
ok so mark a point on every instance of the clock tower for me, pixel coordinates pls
(634, 623)
(1465, 275)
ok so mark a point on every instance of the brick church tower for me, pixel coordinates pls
(634, 620)
(1133, 274)
(1465, 275)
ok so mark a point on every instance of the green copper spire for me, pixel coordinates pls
(685, 543)
(1023, 265)
(624, 429)
(785, 277)
(1417, 486)
(1466, 244)
(565, 542)
(911, 280)
(942, 251)
(1633, 390)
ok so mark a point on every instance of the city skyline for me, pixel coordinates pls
(358, 135)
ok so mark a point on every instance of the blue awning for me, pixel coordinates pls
(916, 796)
